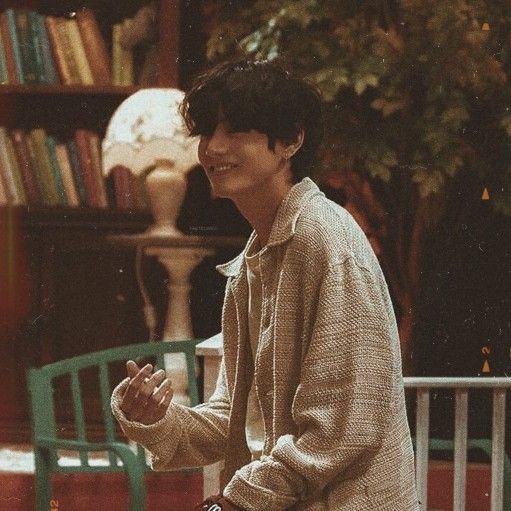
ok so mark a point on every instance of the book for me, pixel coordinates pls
(45, 66)
(7, 171)
(10, 18)
(22, 196)
(94, 45)
(56, 171)
(123, 190)
(116, 54)
(42, 165)
(26, 46)
(77, 170)
(3, 194)
(33, 31)
(126, 55)
(19, 139)
(50, 69)
(95, 151)
(4, 74)
(64, 59)
(8, 49)
(68, 180)
(89, 179)
(78, 51)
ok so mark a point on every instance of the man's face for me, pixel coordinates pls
(237, 163)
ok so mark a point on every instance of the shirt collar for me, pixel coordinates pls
(283, 227)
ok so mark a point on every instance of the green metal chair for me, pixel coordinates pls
(45, 432)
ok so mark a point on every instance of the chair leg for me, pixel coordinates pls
(43, 482)
(136, 482)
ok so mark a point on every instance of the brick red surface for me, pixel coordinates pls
(440, 486)
(86, 492)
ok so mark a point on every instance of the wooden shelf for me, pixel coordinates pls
(49, 90)
(69, 218)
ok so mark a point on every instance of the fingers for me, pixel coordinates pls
(132, 368)
(159, 403)
(155, 406)
(147, 396)
(130, 395)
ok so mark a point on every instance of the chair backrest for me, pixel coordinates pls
(41, 386)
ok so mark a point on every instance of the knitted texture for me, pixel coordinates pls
(327, 374)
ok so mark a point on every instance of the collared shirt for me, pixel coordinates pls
(254, 427)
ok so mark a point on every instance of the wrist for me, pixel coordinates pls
(218, 503)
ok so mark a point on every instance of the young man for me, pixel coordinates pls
(309, 410)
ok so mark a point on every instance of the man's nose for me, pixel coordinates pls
(217, 142)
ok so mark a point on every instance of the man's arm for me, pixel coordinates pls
(342, 403)
(183, 437)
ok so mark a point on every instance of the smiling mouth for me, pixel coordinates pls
(221, 169)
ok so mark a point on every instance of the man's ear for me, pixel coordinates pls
(294, 146)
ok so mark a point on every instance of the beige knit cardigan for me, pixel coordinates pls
(327, 374)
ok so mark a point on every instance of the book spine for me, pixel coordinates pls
(18, 181)
(116, 54)
(78, 51)
(50, 68)
(95, 151)
(33, 30)
(126, 55)
(26, 47)
(95, 47)
(3, 193)
(56, 171)
(13, 34)
(42, 163)
(8, 49)
(84, 154)
(77, 170)
(61, 51)
(27, 171)
(6, 170)
(4, 72)
(62, 154)
(122, 190)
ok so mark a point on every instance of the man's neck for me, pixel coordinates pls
(260, 208)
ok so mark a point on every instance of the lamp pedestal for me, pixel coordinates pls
(166, 189)
(179, 263)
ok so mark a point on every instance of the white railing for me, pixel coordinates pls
(461, 387)
(212, 352)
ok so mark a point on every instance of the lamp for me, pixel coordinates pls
(147, 135)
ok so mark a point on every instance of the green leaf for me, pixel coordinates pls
(429, 181)
(378, 170)
(505, 122)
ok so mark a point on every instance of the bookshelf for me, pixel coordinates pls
(82, 291)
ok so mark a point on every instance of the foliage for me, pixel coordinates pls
(417, 100)
(415, 91)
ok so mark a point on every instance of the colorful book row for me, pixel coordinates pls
(38, 169)
(38, 49)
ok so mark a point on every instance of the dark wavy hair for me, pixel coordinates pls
(259, 95)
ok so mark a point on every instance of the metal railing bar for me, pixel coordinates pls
(422, 446)
(460, 449)
(497, 455)
(455, 382)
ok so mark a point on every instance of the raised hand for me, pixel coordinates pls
(147, 396)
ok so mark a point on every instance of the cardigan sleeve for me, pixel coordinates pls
(185, 437)
(343, 402)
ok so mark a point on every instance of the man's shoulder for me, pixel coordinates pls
(329, 231)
